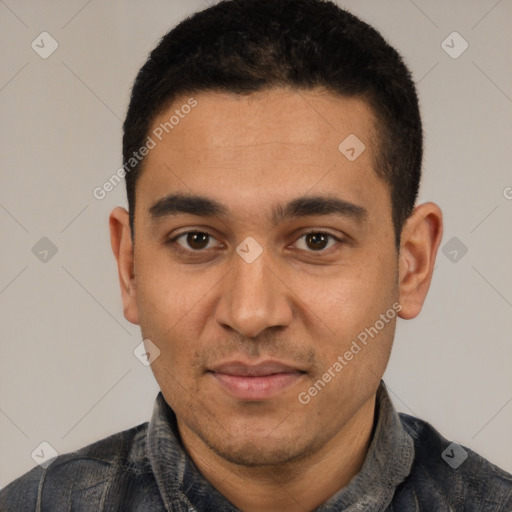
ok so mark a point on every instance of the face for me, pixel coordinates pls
(260, 315)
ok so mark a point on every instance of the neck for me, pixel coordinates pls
(296, 486)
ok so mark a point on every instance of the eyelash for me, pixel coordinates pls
(179, 248)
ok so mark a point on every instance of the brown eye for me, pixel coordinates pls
(318, 241)
(197, 240)
(193, 241)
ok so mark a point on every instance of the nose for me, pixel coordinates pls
(254, 298)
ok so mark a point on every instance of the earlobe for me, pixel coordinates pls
(421, 237)
(122, 247)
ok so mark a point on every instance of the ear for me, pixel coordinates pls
(421, 237)
(122, 246)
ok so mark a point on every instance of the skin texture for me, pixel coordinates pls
(300, 302)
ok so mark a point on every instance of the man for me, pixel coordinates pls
(272, 152)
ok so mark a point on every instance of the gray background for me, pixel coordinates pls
(68, 375)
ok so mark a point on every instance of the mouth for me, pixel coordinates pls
(255, 382)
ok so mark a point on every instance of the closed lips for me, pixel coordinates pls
(265, 368)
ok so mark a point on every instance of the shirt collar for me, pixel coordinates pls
(387, 464)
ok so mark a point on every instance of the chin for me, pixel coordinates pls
(259, 454)
(260, 448)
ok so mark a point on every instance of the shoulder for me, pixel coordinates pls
(82, 476)
(448, 476)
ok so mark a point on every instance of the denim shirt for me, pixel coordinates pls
(409, 467)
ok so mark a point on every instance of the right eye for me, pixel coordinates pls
(197, 241)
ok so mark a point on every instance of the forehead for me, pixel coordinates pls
(237, 123)
(270, 146)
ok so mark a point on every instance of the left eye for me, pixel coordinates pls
(318, 240)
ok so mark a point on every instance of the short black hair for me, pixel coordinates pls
(244, 46)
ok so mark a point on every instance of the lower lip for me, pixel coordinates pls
(256, 388)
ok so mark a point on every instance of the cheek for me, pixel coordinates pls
(162, 303)
(173, 304)
(351, 300)
(353, 341)
(166, 314)
(166, 292)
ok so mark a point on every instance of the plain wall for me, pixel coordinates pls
(67, 372)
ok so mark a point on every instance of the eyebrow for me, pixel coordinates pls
(305, 206)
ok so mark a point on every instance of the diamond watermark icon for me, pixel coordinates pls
(454, 455)
(454, 249)
(351, 147)
(146, 352)
(44, 454)
(249, 249)
(44, 45)
(44, 250)
(454, 45)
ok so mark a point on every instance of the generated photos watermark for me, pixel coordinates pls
(305, 397)
(151, 142)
